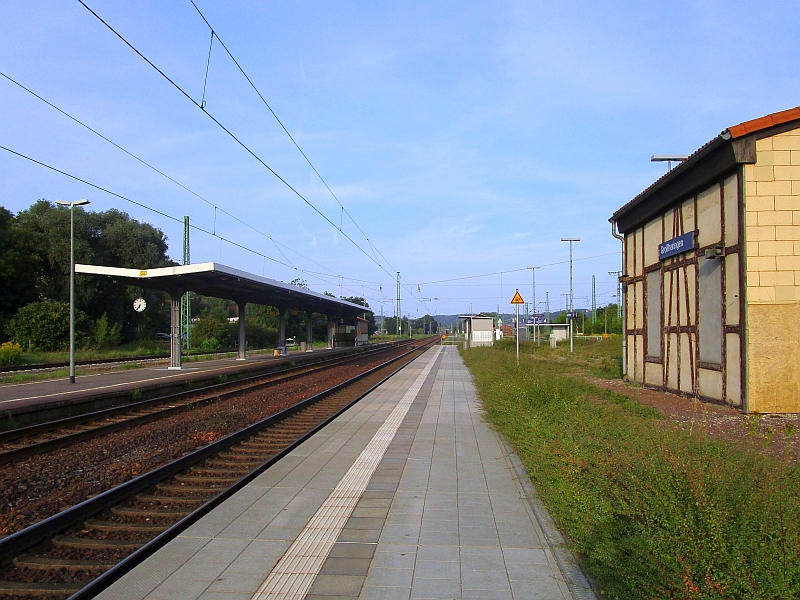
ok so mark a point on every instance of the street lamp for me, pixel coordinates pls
(72, 205)
(571, 307)
(669, 159)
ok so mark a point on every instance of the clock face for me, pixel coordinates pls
(139, 304)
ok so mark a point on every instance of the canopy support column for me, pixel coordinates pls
(331, 325)
(175, 341)
(242, 337)
(309, 333)
(282, 329)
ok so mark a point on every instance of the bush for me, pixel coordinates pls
(259, 336)
(210, 327)
(210, 344)
(45, 325)
(105, 335)
(10, 354)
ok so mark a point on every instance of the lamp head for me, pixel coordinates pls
(71, 204)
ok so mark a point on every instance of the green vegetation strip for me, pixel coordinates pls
(652, 510)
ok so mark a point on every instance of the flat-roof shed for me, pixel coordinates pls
(711, 271)
(478, 329)
(221, 281)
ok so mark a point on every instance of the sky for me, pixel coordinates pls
(463, 139)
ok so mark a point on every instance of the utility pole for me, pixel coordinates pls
(546, 307)
(533, 281)
(186, 301)
(571, 305)
(594, 299)
(616, 274)
(397, 309)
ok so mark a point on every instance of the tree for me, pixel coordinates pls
(19, 264)
(43, 325)
(109, 238)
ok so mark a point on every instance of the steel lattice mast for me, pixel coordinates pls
(186, 300)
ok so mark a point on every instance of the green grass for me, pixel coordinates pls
(128, 351)
(652, 510)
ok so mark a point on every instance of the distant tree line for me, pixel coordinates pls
(424, 325)
(34, 266)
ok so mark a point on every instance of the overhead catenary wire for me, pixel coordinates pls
(232, 135)
(260, 95)
(161, 213)
(216, 207)
(562, 262)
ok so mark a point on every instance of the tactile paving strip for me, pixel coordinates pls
(294, 574)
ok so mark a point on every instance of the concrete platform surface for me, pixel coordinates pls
(121, 378)
(408, 495)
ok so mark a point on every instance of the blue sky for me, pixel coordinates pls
(464, 138)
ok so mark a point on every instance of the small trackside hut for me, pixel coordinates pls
(711, 271)
(348, 334)
(478, 330)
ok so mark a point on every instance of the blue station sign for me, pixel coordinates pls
(679, 245)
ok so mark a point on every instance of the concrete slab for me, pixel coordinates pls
(446, 512)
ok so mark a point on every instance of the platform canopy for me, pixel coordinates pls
(220, 281)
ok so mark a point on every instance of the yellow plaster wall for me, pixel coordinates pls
(772, 233)
(774, 349)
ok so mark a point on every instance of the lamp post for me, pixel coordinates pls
(72, 205)
(571, 306)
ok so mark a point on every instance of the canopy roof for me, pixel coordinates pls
(220, 281)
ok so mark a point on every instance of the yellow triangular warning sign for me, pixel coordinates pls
(517, 299)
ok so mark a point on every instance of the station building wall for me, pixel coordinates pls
(683, 313)
(772, 231)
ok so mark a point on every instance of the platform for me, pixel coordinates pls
(49, 392)
(408, 495)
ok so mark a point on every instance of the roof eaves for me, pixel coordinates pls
(766, 122)
(669, 175)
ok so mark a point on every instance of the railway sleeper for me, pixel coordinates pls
(135, 511)
(16, 589)
(115, 526)
(248, 465)
(207, 481)
(260, 454)
(267, 441)
(188, 490)
(78, 543)
(237, 470)
(170, 500)
(71, 565)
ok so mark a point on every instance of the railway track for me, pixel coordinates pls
(36, 439)
(80, 551)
